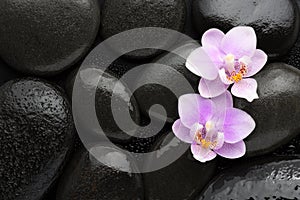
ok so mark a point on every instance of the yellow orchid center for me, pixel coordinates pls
(204, 142)
(236, 69)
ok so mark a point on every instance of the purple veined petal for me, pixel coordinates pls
(223, 77)
(202, 154)
(219, 141)
(200, 64)
(232, 151)
(223, 101)
(182, 132)
(215, 54)
(258, 61)
(211, 88)
(193, 109)
(212, 37)
(240, 41)
(246, 88)
(237, 125)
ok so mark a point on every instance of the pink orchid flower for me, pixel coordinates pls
(212, 126)
(228, 59)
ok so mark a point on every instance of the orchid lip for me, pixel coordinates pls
(201, 137)
(235, 69)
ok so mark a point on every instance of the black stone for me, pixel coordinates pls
(276, 112)
(182, 179)
(293, 57)
(35, 138)
(151, 94)
(267, 178)
(122, 15)
(290, 149)
(46, 37)
(6, 73)
(276, 22)
(103, 97)
(150, 138)
(87, 178)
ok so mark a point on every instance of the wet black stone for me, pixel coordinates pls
(151, 94)
(293, 57)
(86, 178)
(46, 37)
(121, 66)
(290, 149)
(35, 137)
(182, 179)
(151, 136)
(276, 22)
(276, 112)
(267, 178)
(105, 87)
(122, 15)
(6, 73)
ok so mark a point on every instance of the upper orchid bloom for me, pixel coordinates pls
(228, 59)
(212, 126)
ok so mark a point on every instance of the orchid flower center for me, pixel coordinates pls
(203, 138)
(236, 69)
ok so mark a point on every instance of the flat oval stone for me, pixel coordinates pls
(122, 15)
(180, 180)
(267, 178)
(107, 84)
(46, 37)
(87, 178)
(276, 22)
(276, 112)
(36, 137)
(151, 94)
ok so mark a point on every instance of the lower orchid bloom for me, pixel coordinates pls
(228, 59)
(212, 126)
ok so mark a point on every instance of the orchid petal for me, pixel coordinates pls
(223, 77)
(258, 61)
(219, 140)
(240, 41)
(193, 109)
(211, 88)
(202, 154)
(237, 125)
(200, 64)
(222, 102)
(182, 132)
(212, 37)
(215, 54)
(232, 151)
(194, 129)
(246, 88)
